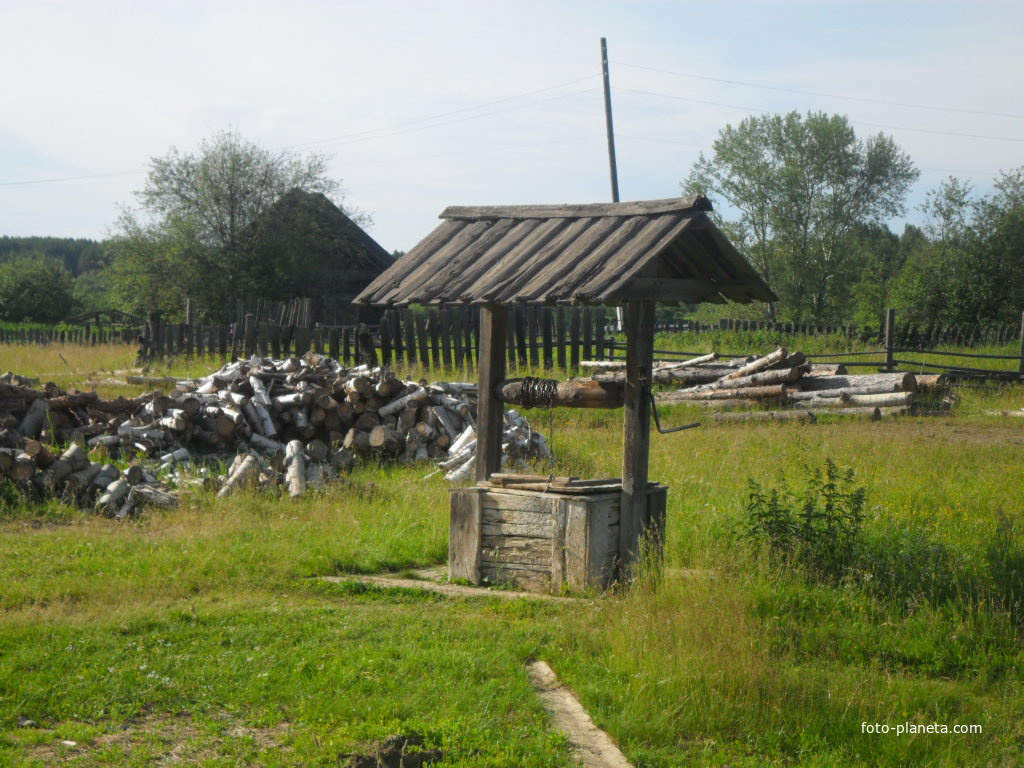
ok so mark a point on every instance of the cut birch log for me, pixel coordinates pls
(295, 474)
(878, 401)
(759, 364)
(770, 392)
(34, 419)
(764, 378)
(246, 472)
(387, 440)
(468, 435)
(894, 382)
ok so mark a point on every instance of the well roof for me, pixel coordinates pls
(667, 250)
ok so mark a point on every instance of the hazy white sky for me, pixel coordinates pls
(428, 103)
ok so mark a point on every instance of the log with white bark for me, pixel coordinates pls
(246, 472)
(891, 382)
(895, 399)
(767, 392)
(387, 440)
(761, 379)
(295, 474)
(759, 364)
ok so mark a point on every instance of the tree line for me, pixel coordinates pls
(808, 201)
(806, 198)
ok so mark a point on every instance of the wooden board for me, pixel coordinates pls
(464, 535)
(529, 579)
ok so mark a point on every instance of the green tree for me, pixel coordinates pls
(799, 186)
(35, 289)
(969, 269)
(191, 235)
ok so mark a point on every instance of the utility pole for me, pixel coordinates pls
(610, 129)
(608, 120)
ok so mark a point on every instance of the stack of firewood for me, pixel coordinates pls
(294, 422)
(783, 379)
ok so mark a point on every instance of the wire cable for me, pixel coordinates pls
(824, 95)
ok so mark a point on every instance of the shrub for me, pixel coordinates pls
(816, 530)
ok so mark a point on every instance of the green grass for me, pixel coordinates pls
(198, 634)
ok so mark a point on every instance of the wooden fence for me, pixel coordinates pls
(909, 335)
(445, 337)
(898, 343)
(86, 334)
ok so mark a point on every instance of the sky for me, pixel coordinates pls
(422, 104)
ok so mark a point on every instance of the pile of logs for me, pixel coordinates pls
(294, 422)
(783, 379)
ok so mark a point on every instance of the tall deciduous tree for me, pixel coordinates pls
(35, 289)
(971, 268)
(191, 235)
(799, 185)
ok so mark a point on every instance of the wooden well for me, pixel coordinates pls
(540, 540)
(629, 255)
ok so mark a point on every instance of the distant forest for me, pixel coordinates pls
(48, 279)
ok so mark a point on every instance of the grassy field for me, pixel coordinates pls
(199, 636)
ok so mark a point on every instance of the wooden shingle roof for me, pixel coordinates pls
(667, 250)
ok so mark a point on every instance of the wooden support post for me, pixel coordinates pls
(636, 443)
(547, 334)
(190, 321)
(490, 411)
(1021, 368)
(890, 338)
(599, 317)
(532, 332)
(519, 320)
(444, 321)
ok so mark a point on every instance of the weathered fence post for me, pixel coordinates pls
(1021, 368)
(890, 338)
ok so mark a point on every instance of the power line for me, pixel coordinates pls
(853, 122)
(483, 150)
(459, 119)
(69, 178)
(825, 95)
(446, 114)
(365, 135)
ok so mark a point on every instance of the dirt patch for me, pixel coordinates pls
(175, 738)
(446, 588)
(400, 751)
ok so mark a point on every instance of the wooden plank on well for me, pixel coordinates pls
(516, 549)
(526, 530)
(512, 509)
(524, 577)
(557, 548)
(464, 545)
(577, 551)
